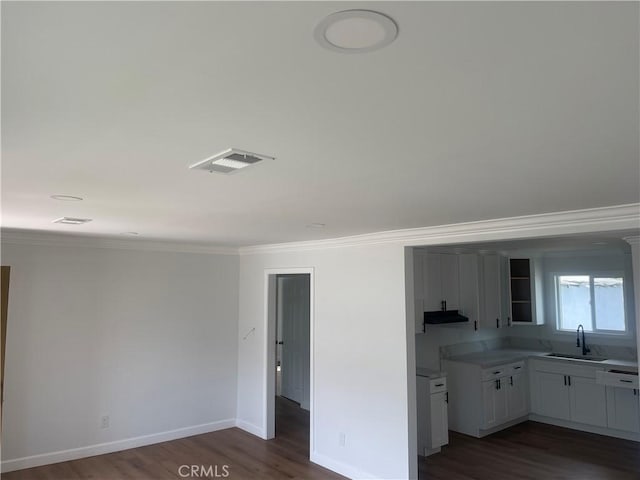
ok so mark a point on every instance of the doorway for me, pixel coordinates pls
(289, 375)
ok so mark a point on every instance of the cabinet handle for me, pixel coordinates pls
(569, 377)
(565, 380)
(635, 391)
(508, 321)
(497, 372)
(626, 381)
(497, 323)
(517, 368)
(475, 325)
(446, 397)
(511, 381)
(497, 384)
(439, 384)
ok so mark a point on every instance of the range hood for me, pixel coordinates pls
(440, 317)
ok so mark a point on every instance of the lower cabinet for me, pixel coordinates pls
(623, 409)
(503, 394)
(433, 424)
(568, 392)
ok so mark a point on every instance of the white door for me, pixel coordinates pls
(293, 315)
(450, 275)
(623, 409)
(439, 420)
(517, 396)
(492, 288)
(553, 395)
(588, 401)
(432, 282)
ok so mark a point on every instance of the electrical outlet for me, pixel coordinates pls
(342, 439)
(104, 421)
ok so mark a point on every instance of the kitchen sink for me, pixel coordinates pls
(588, 358)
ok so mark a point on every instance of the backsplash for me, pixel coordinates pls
(607, 351)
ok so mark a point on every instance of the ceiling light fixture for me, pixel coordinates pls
(230, 161)
(66, 198)
(356, 31)
(316, 225)
(129, 233)
(71, 220)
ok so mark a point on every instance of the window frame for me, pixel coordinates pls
(592, 274)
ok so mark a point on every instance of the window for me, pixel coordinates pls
(594, 301)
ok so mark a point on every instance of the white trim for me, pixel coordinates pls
(339, 467)
(115, 446)
(268, 385)
(621, 217)
(634, 240)
(22, 237)
(251, 428)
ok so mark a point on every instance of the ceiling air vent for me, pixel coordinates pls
(230, 161)
(72, 221)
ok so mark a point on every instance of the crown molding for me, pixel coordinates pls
(29, 237)
(632, 240)
(620, 217)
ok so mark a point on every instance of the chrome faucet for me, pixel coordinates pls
(585, 349)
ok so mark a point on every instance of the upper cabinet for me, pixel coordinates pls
(492, 286)
(525, 291)
(441, 282)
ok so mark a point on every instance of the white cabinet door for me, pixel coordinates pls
(492, 311)
(623, 409)
(588, 401)
(469, 287)
(432, 282)
(450, 274)
(517, 396)
(441, 281)
(494, 403)
(553, 395)
(439, 420)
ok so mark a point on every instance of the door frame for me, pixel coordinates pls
(269, 375)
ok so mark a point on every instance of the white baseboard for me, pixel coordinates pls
(115, 446)
(251, 428)
(348, 471)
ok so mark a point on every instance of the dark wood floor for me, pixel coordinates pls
(534, 451)
(247, 456)
(527, 451)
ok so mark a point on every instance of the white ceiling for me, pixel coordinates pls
(476, 111)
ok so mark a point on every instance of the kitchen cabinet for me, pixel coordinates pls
(623, 409)
(525, 291)
(441, 281)
(433, 425)
(568, 392)
(469, 281)
(502, 391)
(492, 286)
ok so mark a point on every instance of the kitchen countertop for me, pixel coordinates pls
(492, 358)
(427, 372)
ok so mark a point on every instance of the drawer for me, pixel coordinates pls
(438, 385)
(503, 371)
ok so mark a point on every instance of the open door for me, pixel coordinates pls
(293, 318)
(4, 286)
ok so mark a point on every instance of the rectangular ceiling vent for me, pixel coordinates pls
(230, 161)
(72, 220)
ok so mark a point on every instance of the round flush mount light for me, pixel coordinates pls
(356, 31)
(66, 198)
(316, 225)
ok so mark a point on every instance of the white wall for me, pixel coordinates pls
(148, 338)
(360, 365)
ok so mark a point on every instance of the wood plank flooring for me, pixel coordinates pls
(534, 451)
(248, 457)
(527, 451)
